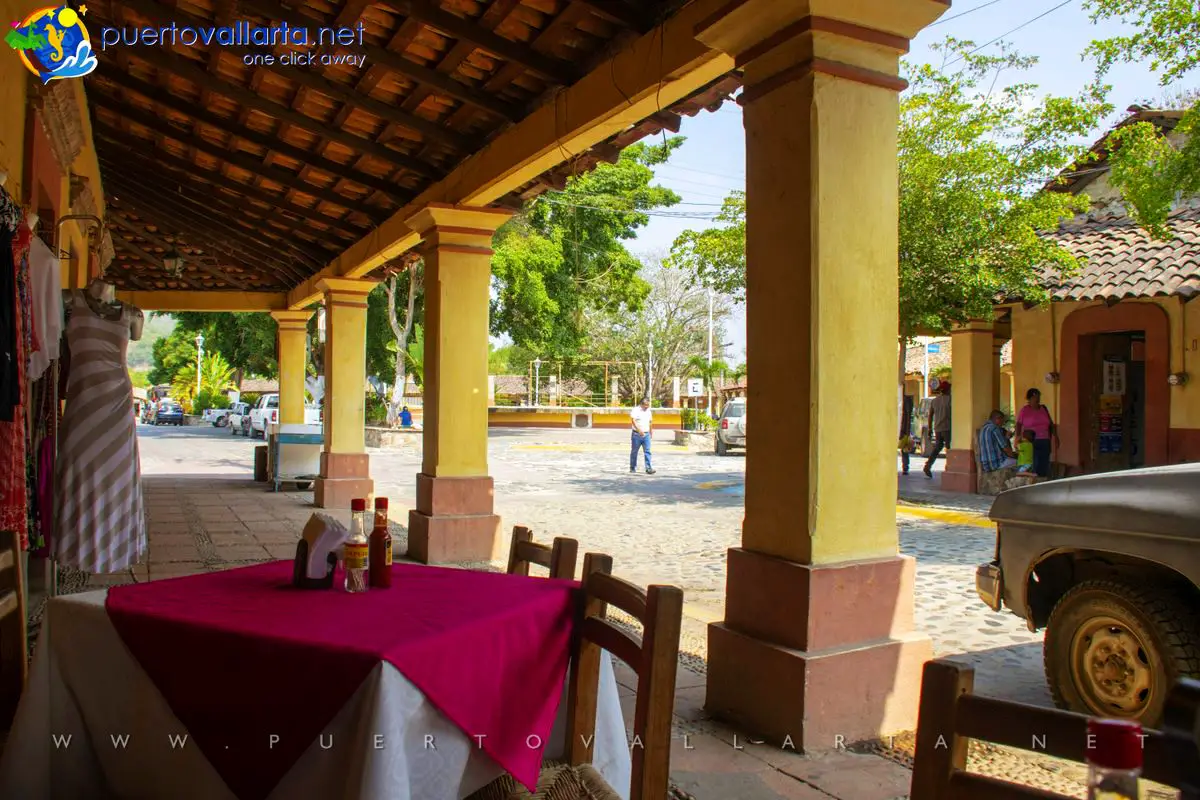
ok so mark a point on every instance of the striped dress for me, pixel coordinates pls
(101, 524)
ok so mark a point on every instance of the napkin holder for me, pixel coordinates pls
(317, 552)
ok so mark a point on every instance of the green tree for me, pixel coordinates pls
(246, 340)
(1149, 170)
(415, 355)
(170, 354)
(216, 376)
(972, 222)
(564, 255)
(709, 372)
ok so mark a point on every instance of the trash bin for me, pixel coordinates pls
(260, 463)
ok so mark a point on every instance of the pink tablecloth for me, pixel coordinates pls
(241, 657)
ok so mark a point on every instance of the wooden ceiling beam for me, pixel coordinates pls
(410, 69)
(169, 215)
(161, 242)
(153, 10)
(236, 158)
(120, 241)
(116, 138)
(163, 59)
(619, 12)
(230, 127)
(553, 69)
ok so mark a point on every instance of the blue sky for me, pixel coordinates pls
(712, 161)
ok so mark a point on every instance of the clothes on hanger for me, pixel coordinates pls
(45, 278)
(15, 339)
(10, 387)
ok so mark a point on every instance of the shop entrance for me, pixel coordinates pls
(1112, 398)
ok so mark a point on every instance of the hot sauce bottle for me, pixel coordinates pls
(380, 572)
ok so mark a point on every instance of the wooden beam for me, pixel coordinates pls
(171, 300)
(652, 72)
(619, 12)
(123, 80)
(554, 69)
(161, 125)
(161, 242)
(669, 120)
(410, 69)
(113, 136)
(163, 59)
(164, 214)
(156, 189)
(120, 241)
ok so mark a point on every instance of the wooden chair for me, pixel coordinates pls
(951, 715)
(14, 633)
(559, 558)
(655, 659)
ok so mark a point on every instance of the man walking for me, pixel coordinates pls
(640, 417)
(939, 423)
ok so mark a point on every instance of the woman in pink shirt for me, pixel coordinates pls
(1035, 417)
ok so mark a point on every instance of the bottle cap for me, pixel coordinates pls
(358, 504)
(1114, 744)
(380, 503)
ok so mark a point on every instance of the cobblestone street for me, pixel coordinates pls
(672, 527)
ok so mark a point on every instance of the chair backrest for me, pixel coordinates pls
(14, 656)
(951, 715)
(655, 659)
(559, 558)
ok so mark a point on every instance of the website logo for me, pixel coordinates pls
(53, 43)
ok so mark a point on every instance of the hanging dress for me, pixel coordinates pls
(14, 246)
(101, 523)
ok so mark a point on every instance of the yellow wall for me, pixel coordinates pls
(1037, 347)
(13, 76)
(74, 233)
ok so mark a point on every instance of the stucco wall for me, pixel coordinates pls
(1038, 347)
(12, 100)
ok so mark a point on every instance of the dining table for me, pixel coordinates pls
(237, 685)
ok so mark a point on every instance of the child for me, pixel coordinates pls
(906, 447)
(1025, 451)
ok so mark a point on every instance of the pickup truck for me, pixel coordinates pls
(1109, 565)
(266, 412)
(238, 419)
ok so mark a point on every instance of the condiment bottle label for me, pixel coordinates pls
(387, 554)
(356, 556)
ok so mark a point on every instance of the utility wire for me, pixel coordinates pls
(1009, 33)
(963, 14)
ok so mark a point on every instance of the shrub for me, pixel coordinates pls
(376, 410)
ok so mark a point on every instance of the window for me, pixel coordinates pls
(273, 402)
(735, 410)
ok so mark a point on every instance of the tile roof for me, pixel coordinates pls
(1121, 260)
(914, 357)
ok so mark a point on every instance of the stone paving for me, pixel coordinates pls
(673, 527)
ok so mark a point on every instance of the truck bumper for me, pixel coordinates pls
(989, 585)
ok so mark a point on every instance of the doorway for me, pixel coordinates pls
(1113, 400)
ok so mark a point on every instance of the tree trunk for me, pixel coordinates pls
(401, 333)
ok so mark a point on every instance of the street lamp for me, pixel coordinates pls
(710, 354)
(537, 372)
(199, 359)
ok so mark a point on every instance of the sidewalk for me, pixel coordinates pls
(916, 489)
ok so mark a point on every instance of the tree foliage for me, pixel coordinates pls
(564, 256)
(972, 159)
(246, 340)
(170, 354)
(1148, 169)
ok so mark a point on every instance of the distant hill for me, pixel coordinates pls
(140, 355)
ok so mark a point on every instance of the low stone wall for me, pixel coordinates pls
(701, 441)
(565, 417)
(392, 437)
(192, 419)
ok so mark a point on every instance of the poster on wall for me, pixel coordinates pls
(1114, 376)
(1110, 442)
(1111, 404)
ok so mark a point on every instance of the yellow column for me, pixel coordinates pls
(972, 398)
(293, 363)
(345, 466)
(817, 590)
(454, 519)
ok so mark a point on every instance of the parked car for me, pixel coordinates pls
(731, 429)
(238, 419)
(1109, 565)
(167, 412)
(266, 412)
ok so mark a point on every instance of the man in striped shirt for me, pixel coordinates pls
(995, 450)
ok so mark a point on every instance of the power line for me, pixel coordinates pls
(963, 14)
(1009, 33)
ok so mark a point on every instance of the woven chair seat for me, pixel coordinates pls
(555, 782)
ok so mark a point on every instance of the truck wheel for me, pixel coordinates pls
(722, 448)
(1115, 650)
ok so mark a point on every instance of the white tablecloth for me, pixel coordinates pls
(92, 725)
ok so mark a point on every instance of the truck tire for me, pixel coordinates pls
(1115, 650)
(722, 449)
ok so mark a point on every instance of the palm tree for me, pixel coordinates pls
(215, 377)
(708, 371)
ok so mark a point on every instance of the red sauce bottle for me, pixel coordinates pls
(380, 571)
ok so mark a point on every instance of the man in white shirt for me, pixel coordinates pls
(640, 416)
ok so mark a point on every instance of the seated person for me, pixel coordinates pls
(1025, 452)
(995, 449)
(405, 418)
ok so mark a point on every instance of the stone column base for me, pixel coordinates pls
(961, 471)
(344, 476)
(453, 521)
(817, 656)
